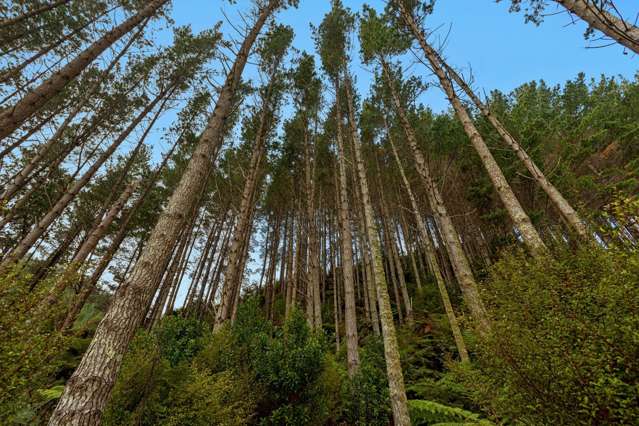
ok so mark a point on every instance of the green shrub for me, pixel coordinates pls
(289, 366)
(564, 346)
(426, 413)
(365, 396)
(30, 348)
(144, 383)
(179, 339)
(224, 399)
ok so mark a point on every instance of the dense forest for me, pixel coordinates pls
(224, 229)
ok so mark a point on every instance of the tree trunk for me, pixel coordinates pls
(25, 174)
(232, 275)
(40, 10)
(616, 28)
(391, 351)
(411, 252)
(350, 317)
(516, 212)
(40, 228)
(570, 216)
(66, 278)
(314, 307)
(460, 263)
(14, 116)
(431, 259)
(336, 304)
(88, 390)
(15, 71)
(394, 260)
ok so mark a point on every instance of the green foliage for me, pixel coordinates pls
(250, 372)
(365, 396)
(332, 38)
(424, 413)
(220, 399)
(36, 359)
(564, 345)
(180, 339)
(378, 38)
(29, 346)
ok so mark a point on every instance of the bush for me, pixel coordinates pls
(365, 396)
(29, 348)
(289, 366)
(156, 368)
(564, 345)
(224, 399)
(425, 413)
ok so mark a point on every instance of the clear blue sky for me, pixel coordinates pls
(503, 51)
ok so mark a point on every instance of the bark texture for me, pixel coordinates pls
(346, 238)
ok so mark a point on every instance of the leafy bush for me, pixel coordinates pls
(564, 344)
(425, 413)
(365, 396)
(224, 399)
(247, 373)
(29, 348)
(180, 339)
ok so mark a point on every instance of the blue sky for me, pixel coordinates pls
(502, 49)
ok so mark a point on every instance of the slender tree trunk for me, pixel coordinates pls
(346, 239)
(270, 280)
(35, 12)
(242, 266)
(7, 75)
(336, 304)
(391, 351)
(411, 251)
(399, 268)
(372, 290)
(394, 260)
(232, 274)
(55, 256)
(25, 174)
(516, 212)
(88, 246)
(374, 316)
(313, 283)
(40, 228)
(391, 272)
(219, 265)
(88, 390)
(14, 116)
(570, 216)
(432, 260)
(460, 263)
(6, 150)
